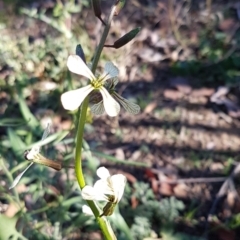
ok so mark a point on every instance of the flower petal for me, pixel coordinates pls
(103, 173)
(33, 152)
(88, 193)
(77, 65)
(112, 107)
(115, 81)
(103, 189)
(129, 106)
(17, 179)
(118, 184)
(87, 210)
(71, 100)
(110, 71)
(98, 108)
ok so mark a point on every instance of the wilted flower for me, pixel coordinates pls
(71, 100)
(108, 188)
(110, 84)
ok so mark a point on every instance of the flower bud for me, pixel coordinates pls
(126, 38)
(119, 6)
(80, 53)
(96, 4)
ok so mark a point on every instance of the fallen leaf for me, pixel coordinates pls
(172, 94)
(206, 92)
(227, 24)
(134, 202)
(181, 190)
(166, 189)
(12, 210)
(154, 185)
(150, 107)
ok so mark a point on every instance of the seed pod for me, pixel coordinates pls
(80, 53)
(108, 209)
(126, 38)
(96, 4)
(119, 6)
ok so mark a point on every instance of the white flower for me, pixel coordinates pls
(98, 108)
(108, 188)
(71, 100)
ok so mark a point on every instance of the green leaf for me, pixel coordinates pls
(27, 115)
(10, 122)
(7, 228)
(169, 208)
(16, 142)
(120, 223)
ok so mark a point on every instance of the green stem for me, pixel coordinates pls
(103, 40)
(78, 153)
(103, 222)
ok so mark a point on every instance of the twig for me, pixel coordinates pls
(174, 24)
(194, 180)
(209, 9)
(228, 185)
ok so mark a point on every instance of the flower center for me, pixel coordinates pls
(96, 83)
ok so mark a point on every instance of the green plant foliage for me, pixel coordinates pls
(234, 222)
(149, 214)
(170, 235)
(169, 209)
(143, 192)
(141, 228)
(8, 230)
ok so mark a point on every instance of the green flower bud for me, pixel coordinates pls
(126, 38)
(119, 6)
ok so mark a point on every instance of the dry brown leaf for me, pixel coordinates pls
(166, 189)
(120, 154)
(227, 24)
(181, 190)
(154, 185)
(207, 92)
(150, 107)
(134, 202)
(172, 94)
(12, 210)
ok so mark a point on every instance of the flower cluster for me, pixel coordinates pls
(105, 84)
(108, 188)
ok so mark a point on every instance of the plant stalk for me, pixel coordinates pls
(103, 222)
